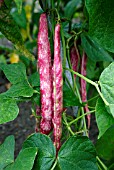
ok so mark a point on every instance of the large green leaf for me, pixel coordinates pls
(46, 150)
(7, 152)
(25, 160)
(34, 79)
(101, 25)
(77, 153)
(105, 145)
(69, 98)
(107, 83)
(15, 73)
(107, 86)
(91, 66)
(10, 29)
(22, 89)
(103, 118)
(71, 7)
(8, 109)
(93, 50)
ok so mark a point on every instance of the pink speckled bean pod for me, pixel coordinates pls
(83, 86)
(44, 65)
(57, 89)
(74, 58)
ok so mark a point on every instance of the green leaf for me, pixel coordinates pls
(15, 73)
(101, 25)
(71, 7)
(22, 89)
(34, 79)
(103, 118)
(105, 145)
(7, 152)
(91, 68)
(69, 98)
(93, 50)
(11, 31)
(9, 27)
(77, 153)
(110, 109)
(19, 5)
(107, 83)
(25, 160)
(20, 19)
(8, 109)
(46, 150)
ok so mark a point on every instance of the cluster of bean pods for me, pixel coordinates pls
(50, 81)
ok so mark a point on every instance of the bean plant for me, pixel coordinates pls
(60, 57)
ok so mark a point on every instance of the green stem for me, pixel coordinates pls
(99, 166)
(93, 98)
(91, 82)
(102, 164)
(54, 165)
(75, 120)
(57, 15)
(68, 127)
(82, 110)
(97, 87)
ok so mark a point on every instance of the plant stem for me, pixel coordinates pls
(92, 98)
(99, 166)
(82, 110)
(54, 165)
(68, 127)
(97, 87)
(75, 120)
(91, 82)
(102, 164)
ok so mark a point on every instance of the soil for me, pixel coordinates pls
(24, 124)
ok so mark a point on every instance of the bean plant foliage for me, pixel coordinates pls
(60, 57)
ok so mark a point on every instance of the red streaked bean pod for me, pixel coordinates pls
(44, 65)
(83, 85)
(57, 89)
(74, 58)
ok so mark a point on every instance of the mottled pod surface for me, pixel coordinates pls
(44, 66)
(57, 88)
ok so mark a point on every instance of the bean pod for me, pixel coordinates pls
(74, 58)
(44, 66)
(57, 89)
(83, 86)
